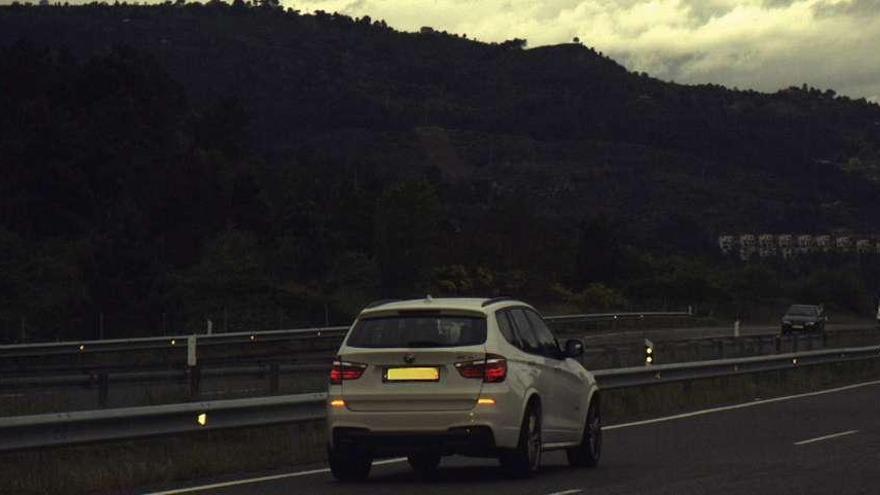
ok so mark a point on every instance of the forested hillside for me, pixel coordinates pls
(165, 164)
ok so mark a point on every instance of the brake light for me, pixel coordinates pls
(496, 369)
(344, 370)
(491, 369)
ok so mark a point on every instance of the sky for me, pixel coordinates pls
(749, 44)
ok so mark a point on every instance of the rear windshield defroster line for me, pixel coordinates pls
(418, 331)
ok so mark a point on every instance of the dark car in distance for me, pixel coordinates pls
(804, 318)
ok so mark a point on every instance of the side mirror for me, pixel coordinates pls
(573, 348)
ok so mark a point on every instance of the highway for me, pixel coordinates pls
(824, 442)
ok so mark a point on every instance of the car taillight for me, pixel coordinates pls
(491, 369)
(344, 370)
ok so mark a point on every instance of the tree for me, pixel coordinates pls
(514, 44)
(270, 4)
(407, 220)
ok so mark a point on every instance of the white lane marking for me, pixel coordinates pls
(611, 427)
(567, 492)
(261, 479)
(826, 437)
(739, 406)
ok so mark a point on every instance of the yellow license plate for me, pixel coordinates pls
(412, 374)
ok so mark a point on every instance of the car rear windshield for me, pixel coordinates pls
(418, 331)
(802, 311)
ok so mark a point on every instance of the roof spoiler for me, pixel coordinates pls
(380, 302)
(494, 300)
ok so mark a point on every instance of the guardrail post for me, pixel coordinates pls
(103, 389)
(274, 373)
(192, 367)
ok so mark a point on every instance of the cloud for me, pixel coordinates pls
(760, 44)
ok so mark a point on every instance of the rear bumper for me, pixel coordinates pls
(501, 422)
(473, 441)
(801, 326)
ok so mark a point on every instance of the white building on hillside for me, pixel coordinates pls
(747, 246)
(804, 244)
(725, 242)
(766, 245)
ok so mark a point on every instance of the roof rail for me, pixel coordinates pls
(497, 299)
(380, 302)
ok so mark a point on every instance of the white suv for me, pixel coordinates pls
(478, 377)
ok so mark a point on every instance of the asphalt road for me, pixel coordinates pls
(820, 443)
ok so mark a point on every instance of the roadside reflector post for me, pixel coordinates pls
(210, 329)
(649, 353)
(191, 351)
(192, 366)
(736, 328)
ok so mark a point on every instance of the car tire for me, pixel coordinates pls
(424, 464)
(525, 460)
(589, 451)
(349, 464)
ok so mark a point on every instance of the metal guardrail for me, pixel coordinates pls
(319, 360)
(82, 379)
(175, 341)
(167, 341)
(617, 316)
(667, 373)
(45, 430)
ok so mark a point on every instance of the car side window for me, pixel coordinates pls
(547, 341)
(506, 328)
(530, 342)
